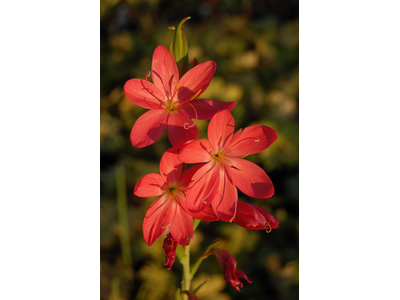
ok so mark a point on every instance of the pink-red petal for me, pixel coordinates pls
(220, 129)
(254, 217)
(225, 202)
(170, 167)
(250, 178)
(196, 152)
(206, 214)
(205, 109)
(251, 140)
(196, 79)
(186, 177)
(144, 93)
(182, 228)
(150, 185)
(179, 131)
(164, 71)
(203, 187)
(158, 218)
(149, 127)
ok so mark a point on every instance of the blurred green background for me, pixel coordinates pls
(256, 47)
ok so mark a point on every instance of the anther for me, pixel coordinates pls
(194, 97)
(177, 87)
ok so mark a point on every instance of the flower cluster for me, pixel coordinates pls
(208, 190)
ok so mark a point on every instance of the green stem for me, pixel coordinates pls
(187, 278)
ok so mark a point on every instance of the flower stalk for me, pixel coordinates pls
(187, 278)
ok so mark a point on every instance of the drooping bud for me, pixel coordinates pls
(228, 264)
(180, 49)
(169, 247)
(195, 62)
(255, 218)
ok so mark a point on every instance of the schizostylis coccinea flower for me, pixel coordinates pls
(167, 214)
(225, 169)
(173, 101)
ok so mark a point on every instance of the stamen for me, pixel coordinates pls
(194, 97)
(243, 156)
(187, 124)
(177, 88)
(166, 226)
(148, 74)
(203, 199)
(195, 120)
(269, 229)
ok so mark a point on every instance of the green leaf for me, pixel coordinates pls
(197, 289)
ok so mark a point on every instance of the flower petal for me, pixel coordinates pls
(182, 228)
(251, 140)
(170, 167)
(150, 185)
(196, 152)
(158, 218)
(250, 178)
(164, 71)
(178, 135)
(197, 78)
(254, 217)
(206, 108)
(148, 127)
(206, 214)
(186, 177)
(228, 264)
(225, 203)
(203, 187)
(144, 93)
(220, 129)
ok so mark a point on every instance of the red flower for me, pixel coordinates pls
(254, 217)
(169, 247)
(225, 170)
(166, 213)
(228, 264)
(172, 101)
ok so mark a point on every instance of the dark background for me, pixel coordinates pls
(256, 47)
